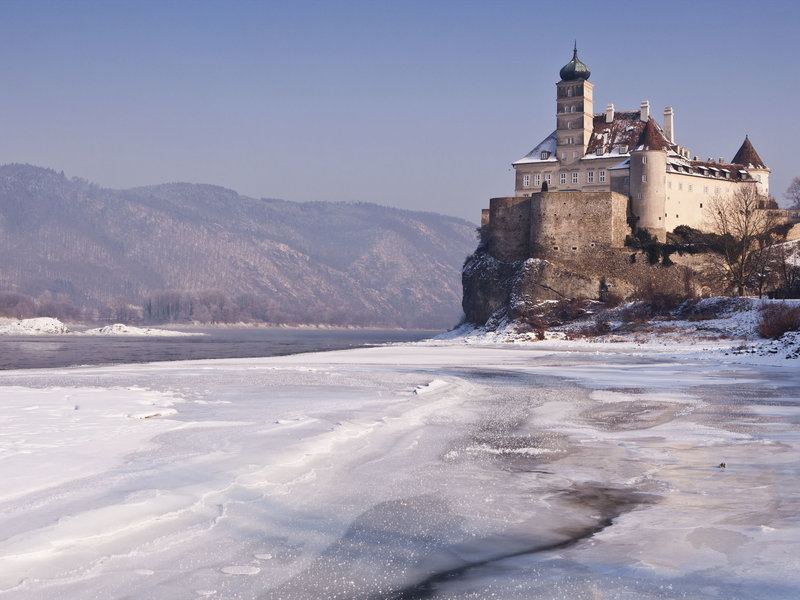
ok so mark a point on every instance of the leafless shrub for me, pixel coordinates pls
(598, 327)
(569, 310)
(532, 324)
(661, 294)
(776, 319)
(613, 299)
(635, 312)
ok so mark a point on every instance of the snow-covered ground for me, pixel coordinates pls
(130, 330)
(37, 326)
(50, 326)
(452, 468)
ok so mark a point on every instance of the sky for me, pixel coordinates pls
(421, 105)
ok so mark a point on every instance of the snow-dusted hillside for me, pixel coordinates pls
(272, 260)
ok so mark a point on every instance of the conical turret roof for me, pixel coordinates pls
(574, 69)
(748, 157)
(652, 138)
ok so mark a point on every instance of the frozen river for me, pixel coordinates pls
(434, 470)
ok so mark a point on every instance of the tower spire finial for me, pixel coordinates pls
(575, 48)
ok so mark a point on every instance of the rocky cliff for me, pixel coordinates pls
(494, 290)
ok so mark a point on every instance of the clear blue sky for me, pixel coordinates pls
(420, 105)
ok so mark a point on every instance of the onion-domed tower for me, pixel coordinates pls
(574, 69)
(574, 114)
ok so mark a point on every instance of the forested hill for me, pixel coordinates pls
(186, 251)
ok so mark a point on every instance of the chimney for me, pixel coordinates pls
(609, 113)
(644, 113)
(722, 160)
(669, 124)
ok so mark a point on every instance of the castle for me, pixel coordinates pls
(597, 175)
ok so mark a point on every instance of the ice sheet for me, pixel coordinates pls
(411, 471)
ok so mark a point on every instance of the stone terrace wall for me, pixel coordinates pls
(564, 224)
(509, 227)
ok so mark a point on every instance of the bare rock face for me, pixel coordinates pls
(494, 290)
(515, 288)
(487, 285)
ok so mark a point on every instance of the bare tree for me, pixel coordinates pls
(793, 193)
(746, 233)
(788, 272)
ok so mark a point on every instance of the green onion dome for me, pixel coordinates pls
(574, 69)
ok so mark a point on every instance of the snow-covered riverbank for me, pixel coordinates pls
(438, 469)
(48, 326)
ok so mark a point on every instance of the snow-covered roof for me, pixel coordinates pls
(615, 138)
(535, 156)
(625, 164)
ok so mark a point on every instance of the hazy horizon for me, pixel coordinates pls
(414, 105)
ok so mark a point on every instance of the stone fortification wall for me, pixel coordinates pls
(554, 224)
(564, 224)
(509, 226)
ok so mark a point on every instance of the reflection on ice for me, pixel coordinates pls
(400, 472)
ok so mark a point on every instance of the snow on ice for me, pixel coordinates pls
(468, 467)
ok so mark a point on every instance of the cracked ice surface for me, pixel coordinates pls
(408, 471)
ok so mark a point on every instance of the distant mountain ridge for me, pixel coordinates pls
(318, 262)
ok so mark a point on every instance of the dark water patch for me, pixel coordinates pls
(604, 503)
(34, 352)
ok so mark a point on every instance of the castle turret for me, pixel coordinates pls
(648, 168)
(574, 111)
(749, 158)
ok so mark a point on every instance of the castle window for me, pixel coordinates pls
(627, 181)
(590, 177)
(599, 151)
(545, 155)
(563, 178)
(570, 92)
(680, 186)
(563, 156)
(572, 109)
(644, 178)
(575, 177)
(547, 178)
(690, 187)
(669, 185)
(701, 205)
(569, 124)
(574, 247)
(716, 190)
(640, 195)
(644, 160)
(537, 180)
(555, 247)
(526, 181)
(602, 176)
(705, 191)
(575, 154)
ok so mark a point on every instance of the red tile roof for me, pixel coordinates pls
(624, 130)
(652, 138)
(748, 156)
